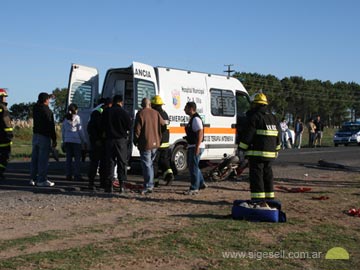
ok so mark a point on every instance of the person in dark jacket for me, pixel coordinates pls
(117, 124)
(299, 129)
(6, 133)
(319, 131)
(260, 143)
(96, 134)
(162, 159)
(44, 137)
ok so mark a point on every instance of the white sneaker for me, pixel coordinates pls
(146, 191)
(191, 192)
(46, 183)
(32, 183)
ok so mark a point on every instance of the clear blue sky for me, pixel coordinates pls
(39, 39)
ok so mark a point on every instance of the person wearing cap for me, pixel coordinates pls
(260, 143)
(6, 133)
(162, 159)
(44, 138)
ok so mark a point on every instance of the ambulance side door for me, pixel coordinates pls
(145, 86)
(83, 90)
(145, 83)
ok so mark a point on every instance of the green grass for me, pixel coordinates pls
(328, 135)
(22, 243)
(205, 241)
(70, 259)
(327, 139)
(21, 147)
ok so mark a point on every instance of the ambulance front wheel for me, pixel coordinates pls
(179, 158)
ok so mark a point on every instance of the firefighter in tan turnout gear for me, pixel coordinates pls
(260, 143)
(162, 159)
(6, 133)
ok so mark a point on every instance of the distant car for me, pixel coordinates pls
(349, 133)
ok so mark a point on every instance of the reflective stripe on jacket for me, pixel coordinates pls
(261, 137)
(6, 130)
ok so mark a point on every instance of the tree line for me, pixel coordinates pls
(294, 96)
(289, 97)
(23, 111)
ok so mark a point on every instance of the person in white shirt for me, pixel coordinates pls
(73, 138)
(284, 128)
(195, 139)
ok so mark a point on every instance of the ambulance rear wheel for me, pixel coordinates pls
(179, 158)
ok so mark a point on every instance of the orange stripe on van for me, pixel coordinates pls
(207, 130)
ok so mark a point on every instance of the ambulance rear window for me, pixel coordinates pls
(81, 94)
(145, 89)
(222, 102)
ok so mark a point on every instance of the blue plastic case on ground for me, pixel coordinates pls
(254, 214)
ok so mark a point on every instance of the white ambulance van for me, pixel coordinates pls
(221, 102)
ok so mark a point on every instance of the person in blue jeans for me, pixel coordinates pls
(147, 160)
(147, 138)
(284, 129)
(44, 137)
(195, 139)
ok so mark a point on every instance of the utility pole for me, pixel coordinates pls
(228, 69)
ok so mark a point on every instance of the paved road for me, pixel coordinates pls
(18, 171)
(349, 156)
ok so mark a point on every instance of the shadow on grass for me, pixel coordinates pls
(316, 183)
(17, 179)
(203, 216)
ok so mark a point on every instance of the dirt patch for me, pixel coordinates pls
(83, 218)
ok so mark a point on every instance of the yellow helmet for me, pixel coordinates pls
(260, 98)
(157, 100)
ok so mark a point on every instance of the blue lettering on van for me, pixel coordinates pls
(143, 73)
